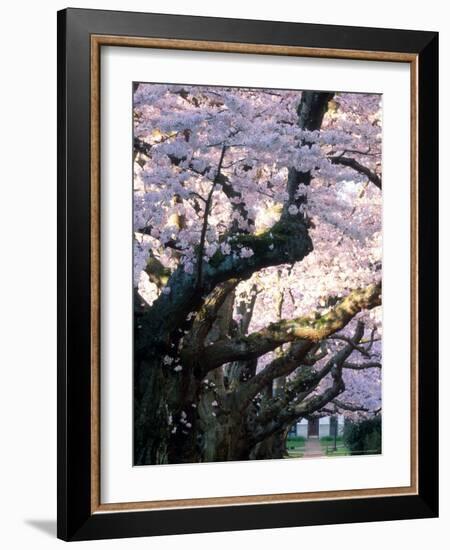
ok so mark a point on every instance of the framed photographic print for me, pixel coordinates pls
(247, 274)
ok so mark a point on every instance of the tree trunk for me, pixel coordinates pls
(165, 429)
(152, 417)
(222, 429)
(272, 447)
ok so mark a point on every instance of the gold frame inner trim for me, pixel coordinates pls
(97, 41)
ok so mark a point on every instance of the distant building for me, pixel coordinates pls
(319, 427)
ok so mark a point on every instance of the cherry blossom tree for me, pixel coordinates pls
(257, 266)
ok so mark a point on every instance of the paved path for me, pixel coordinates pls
(313, 448)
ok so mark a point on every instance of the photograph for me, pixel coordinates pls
(257, 270)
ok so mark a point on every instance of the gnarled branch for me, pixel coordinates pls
(355, 165)
(348, 406)
(285, 411)
(363, 366)
(310, 328)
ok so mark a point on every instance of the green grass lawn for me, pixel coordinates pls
(327, 443)
(295, 446)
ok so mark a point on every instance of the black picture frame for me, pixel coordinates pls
(76, 521)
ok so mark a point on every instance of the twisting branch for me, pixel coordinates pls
(362, 366)
(245, 309)
(201, 246)
(315, 355)
(281, 366)
(356, 152)
(356, 347)
(230, 192)
(311, 328)
(304, 408)
(372, 339)
(353, 163)
(283, 411)
(337, 360)
(204, 320)
(348, 406)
